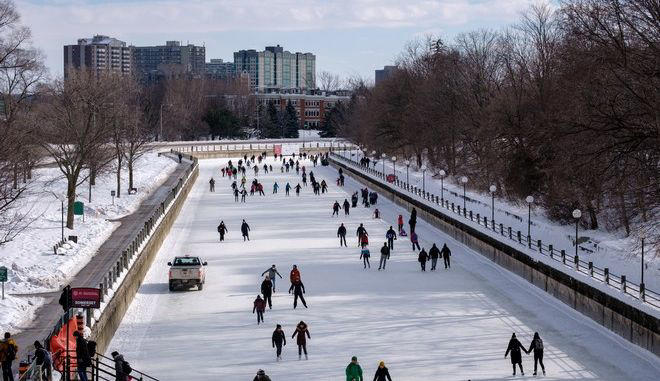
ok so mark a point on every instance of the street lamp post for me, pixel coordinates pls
(442, 186)
(382, 157)
(464, 180)
(576, 214)
(423, 168)
(373, 154)
(493, 189)
(407, 162)
(530, 200)
(642, 236)
(394, 166)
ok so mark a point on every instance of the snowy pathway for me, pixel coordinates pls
(444, 325)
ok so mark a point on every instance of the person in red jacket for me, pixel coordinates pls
(400, 223)
(301, 331)
(295, 274)
(260, 308)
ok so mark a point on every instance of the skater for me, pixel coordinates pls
(261, 376)
(341, 233)
(400, 222)
(414, 240)
(212, 185)
(423, 258)
(222, 229)
(434, 253)
(364, 255)
(236, 194)
(298, 289)
(360, 232)
(516, 356)
(272, 272)
(413, 220)
(8, 353)
(382, 374)
(243, 194)
(354, 371)
(384, 256)
(267, 291)
(364, 241)
(287, 188)
(537, 346)
(223, 172)
(279, 340)
(298, 187)
(335, 209)
(180, 157)
(324, 186)
(245, 230)
(301, 331)
(275, 187)
(304, 179)
(354, 200)
(260, 308)
(446, 253)
(391, 236)
(347, 207)
(376, 213)
(295, 274)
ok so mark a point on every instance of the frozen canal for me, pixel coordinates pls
(442, 325)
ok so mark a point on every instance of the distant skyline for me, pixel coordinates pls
(348, 37)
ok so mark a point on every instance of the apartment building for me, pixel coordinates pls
(152, 61)
(99, 54)
(275, 69)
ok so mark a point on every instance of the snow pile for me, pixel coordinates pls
(33, 266)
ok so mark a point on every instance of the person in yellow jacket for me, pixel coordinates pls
(8, 353)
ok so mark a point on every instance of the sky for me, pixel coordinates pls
(348, 37)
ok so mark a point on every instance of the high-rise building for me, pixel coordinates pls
(276, 69)
(384, 73)
(149, 60)
(217, 68)
(99, 54)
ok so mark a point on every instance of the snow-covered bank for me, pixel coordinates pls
(33, 268)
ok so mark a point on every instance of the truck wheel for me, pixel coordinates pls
(171, 286)
(200, 286)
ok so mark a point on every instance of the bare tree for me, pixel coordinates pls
(329, 81)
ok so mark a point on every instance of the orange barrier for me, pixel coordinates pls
(57, 345)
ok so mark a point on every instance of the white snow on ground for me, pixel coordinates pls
(444, 325)
(609, 249)
(33, 268)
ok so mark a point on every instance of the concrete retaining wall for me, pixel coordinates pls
(625, 320)
(112, 315)
(249, 152)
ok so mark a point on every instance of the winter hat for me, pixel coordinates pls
(261, 372)
(354, 358)
(114, 354)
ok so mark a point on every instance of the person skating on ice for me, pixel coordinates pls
(245, 230)
(391, 236)
(360, 232)
(267, 291)
(384, 256)
(298, 289)
(212, 185)
(272, 273)
(434, 253)
(446, 254)
(298, 187)
(335, 209)
(236, 194)
(341, 233)
(413, 220)
(275, 187)
(400, 223)
(414, 240)
(243, 194)
(364, 256)
(423, 258)
(279, 340)
(347, 207)
(382, 373)
(354, 370)
(537, 346)
(287, 188)
(260, 308)
(222, 229)
(516, 354)
(301, 331)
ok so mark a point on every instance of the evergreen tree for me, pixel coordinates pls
(333, 120)
(222, 122)
(271, 123)
(291, 123)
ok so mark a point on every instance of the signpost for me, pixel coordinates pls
(85, 297)
(113, 194)
(3, 279)
(79, 209)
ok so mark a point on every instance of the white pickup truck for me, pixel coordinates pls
(186, 272)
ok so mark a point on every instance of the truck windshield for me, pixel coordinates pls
(184, 261)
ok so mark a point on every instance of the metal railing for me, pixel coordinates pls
(568, 262)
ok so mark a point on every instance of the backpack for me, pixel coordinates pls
(539, 344)
(126, 368)
(11, 352)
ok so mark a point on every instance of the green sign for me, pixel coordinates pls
(78, 208)
(3, 274)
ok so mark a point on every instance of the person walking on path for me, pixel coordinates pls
(413, 220)
(354, 371)
(8, 351)
(212, 185)
(261, 376)
(275, 187)
(335, 209)
(347, 207)
(516, 356)
(260, 308)
(384, 256)
(279, 340)
(434, 253)
(446, 253)
(364, 255)
(391, 236)
(298, 289)
(272, 272)
(120, 372)
(245, 230)
(400, 223)
(301, 331)
(361, 231)
(341, 233)
(382, 374)
(83, 359)
(39, 361)
(222, 229)
(267, 291)
(423, 258)
(537, 346)
(414, 240)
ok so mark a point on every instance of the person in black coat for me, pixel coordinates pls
(391, 236)
(279, 340)
(384, 256)
(537, 346)
(65, 298)
(335, 209)
(83, 359)
(222, 229)
(382, 374)
(267, 291)
(347, 207)
(423, 258)
(446, 253)
(516, 356)
(434, 253)
(245, 230)
(341, 233)
(298, 289)
(413, 220)
(360, 232)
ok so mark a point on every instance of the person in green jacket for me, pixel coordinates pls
(354, 371)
